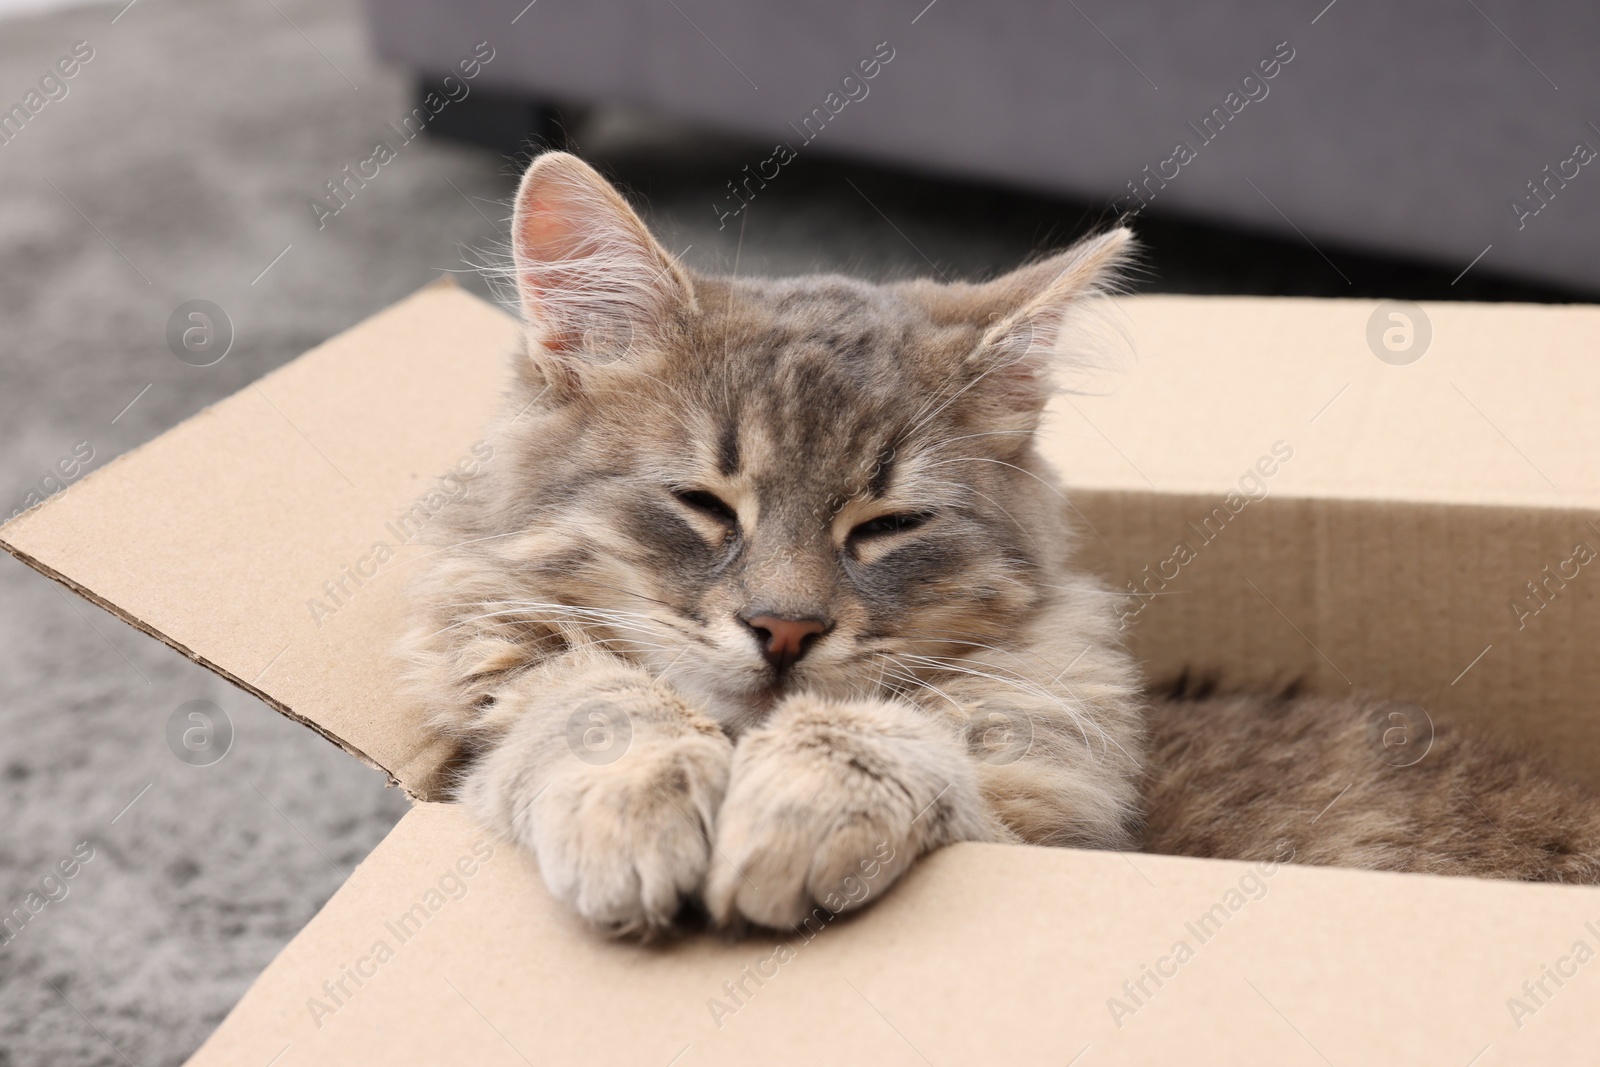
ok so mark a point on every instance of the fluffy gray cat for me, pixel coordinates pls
(771, 589)
(771, 593)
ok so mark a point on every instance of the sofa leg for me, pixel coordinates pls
(508, 123)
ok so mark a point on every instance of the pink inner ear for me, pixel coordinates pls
(545, 240)
(551, 230)
(543, 236)
(591, 277)
(560, 234)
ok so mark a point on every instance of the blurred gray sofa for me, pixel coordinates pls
(1463, 133)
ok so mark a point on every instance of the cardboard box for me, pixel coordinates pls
(1358, 521)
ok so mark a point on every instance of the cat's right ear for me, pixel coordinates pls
(1029, 312)
(593, 283)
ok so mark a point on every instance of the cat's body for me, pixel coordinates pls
(1357, 782)
(768, 590)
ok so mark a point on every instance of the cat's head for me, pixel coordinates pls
(759, 485)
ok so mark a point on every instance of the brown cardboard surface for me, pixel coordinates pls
(1389, 553)
(1393, 552)
(1493, 412)
(987, 954)
(1425, 602)
(218, 535)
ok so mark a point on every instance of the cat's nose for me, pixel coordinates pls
(784, 639)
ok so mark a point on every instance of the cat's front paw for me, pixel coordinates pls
(625, 842)
(829, 803)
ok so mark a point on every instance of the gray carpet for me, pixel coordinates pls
(178, 167)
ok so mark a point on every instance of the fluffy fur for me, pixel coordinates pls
(1357, 783)
(682, 454)
(689, 465)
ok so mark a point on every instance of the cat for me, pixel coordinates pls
(769, 593)
(768, 587)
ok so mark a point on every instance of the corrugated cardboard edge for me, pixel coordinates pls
(445, 281)
(134, 621)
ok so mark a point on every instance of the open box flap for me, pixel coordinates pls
(248, 537)
(984, 954)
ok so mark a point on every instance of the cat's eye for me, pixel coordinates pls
(708, 504)
(884, 525)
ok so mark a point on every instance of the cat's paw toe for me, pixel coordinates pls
(827, 804)
(777, 872)
(625, 844)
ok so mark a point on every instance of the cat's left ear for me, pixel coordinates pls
(593, 282)
(1030, 311)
